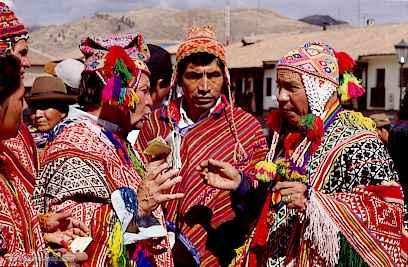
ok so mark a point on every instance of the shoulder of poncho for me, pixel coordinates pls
(77, 137)
(244, 117)
(356, 121)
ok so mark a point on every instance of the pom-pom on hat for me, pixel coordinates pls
(96, 48)
(324, 71)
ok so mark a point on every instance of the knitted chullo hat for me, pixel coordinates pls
(119, 62)
(11, 30)
(200, 40)
(203, 40)
(321, 68)
(317, 64)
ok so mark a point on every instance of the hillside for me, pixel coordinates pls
(162, 25)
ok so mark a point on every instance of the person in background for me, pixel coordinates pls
(161, 70)
(398, 145)
(383, 125)
(69, 70)
(49, 104)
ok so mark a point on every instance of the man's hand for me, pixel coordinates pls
(219, 174)
(150, 193)
(62, 221)
(293, 194)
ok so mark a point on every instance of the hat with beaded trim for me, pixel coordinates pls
(324, 71)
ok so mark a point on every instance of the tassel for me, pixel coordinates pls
(115, 53)
(132, 99)
(357, 120)
(108, 90)
(291, 141)
(120, 68)
(142, 258)
(350, 87)
(122, 96)
(345, 62)
(355, 90)
(322, 232)
(117, 89)
(261, 231)
(274, 120)
(116, 249)
(265, 171)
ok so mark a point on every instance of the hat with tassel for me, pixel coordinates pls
(203, 40)
(11, 30)
(323, 71)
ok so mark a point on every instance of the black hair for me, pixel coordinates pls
(200, 59)
(10, 77)
(159, 65)
(90, 90)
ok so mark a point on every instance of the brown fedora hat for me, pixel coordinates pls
(48, 89)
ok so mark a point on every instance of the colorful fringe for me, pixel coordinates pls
(357, 120)
(322, 232)
(116, 249)
(350, 87)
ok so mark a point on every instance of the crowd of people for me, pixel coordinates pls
(105, 163)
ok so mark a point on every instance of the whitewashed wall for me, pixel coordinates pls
(270, 101)
(392, 90)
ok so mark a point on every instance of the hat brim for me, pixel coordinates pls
(68, 99)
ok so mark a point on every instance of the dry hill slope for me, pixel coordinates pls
(162, 24)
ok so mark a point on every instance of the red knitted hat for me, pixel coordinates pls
(11, 29)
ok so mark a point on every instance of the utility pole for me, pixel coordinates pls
(258, 7)
(359, 13)
(227, 16)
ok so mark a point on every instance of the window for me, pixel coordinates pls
(268, 86)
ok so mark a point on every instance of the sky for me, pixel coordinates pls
(45, 12)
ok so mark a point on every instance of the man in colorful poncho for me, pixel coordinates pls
(90, 170)
(334, 200)
(201, 125)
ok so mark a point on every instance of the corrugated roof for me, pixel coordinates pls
(362, 41)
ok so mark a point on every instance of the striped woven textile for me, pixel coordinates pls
(80, 169)
(206, 215)
(23, 149)
(21, 238)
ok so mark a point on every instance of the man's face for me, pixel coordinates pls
(11, 111)
(159, 93)
(292, 96)
(20, 50)
(144, 106)
(202, 85)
